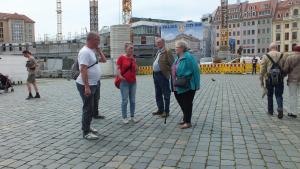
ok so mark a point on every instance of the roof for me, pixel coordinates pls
(135, 19)
(15, 16)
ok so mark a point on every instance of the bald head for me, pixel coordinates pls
(93, 40)
(273, 46)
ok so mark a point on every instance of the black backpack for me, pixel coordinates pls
(276, 74)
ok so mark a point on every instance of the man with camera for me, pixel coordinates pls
(31, 66)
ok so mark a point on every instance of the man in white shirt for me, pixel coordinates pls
(87, 81)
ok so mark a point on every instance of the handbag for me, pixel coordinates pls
(182, 82)
(118, 79)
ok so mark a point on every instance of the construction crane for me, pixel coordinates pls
(126, 11)
(94, 25)
(224, 25)
(59, 20)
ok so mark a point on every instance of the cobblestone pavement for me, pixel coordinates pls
(230, 129)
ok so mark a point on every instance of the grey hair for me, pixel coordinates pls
(92, 35)
(161, 39)
(183, 45)
(127, 44)
(273, 46)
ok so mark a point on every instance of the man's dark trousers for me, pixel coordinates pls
(278, 95)
(87, 108)
(162, 92)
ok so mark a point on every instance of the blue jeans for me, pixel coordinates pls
(87, 108)
(128, 90)
(162, 92)
(278, 94)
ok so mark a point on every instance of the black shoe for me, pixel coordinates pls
(280, 114)
(37, 96)
(99, 117)
(292, 115)
(157, 113)
(165, 115)
(270, 113)
(29, 97)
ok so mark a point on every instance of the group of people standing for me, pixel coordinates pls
(179, 74)
(274, 67)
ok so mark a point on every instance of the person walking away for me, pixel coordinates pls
(254, 63)
(185, 82)
(87, 81)
(126, 69)
(31, 66)
(161, 75)
(292, 68)
(271, 70)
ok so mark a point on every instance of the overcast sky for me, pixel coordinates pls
(76, 12)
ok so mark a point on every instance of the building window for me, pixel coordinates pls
(295, 25)
(249, 23)
(244, 42)
(244, 32)
(253, 32)
(258, 31)
(263, 50)
(268, 30)
(287, 36)
(238, 33)
(294, 35)
(277, 27)
(248, 51)
(286, 48)
(296, 12)
(218, 27)
(277, 36)
(253, 41)
(258, 50)
(278, 48)
(249, 32)
(218, 43)
(264, 22)
(244, 50)
(238, 25)
(244, 23)
(229, 25)
(287, 26)
(238, 42)
(253, 23)
(263, 31)
(258, 22)
(234, 34)
(218, 34)
(229, 33)
(258, 41)
(233, 25)
(248, 41)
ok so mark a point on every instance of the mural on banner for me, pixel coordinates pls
(190, 32)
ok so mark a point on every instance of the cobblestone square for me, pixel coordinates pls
(231, 129)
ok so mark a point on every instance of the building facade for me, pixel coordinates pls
(16, 28)
(286, 24)
(249, 27)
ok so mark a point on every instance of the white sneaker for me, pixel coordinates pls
(93, 130)
(125, 121)
(134, 119)
(91, 136)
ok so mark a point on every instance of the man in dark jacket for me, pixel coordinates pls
(161, 74)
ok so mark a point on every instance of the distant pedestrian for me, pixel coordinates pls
(126, 68)
(254, 64)
(272, 76)
(185, 82)
(87, 82)
(162, 67)
(292, 68)
(31, 66)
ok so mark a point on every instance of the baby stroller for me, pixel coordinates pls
(5, 83)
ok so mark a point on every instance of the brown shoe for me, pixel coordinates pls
(157, 113)
(186, 126)
(280, 114)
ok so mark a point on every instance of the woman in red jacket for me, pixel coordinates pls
(126, 68)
